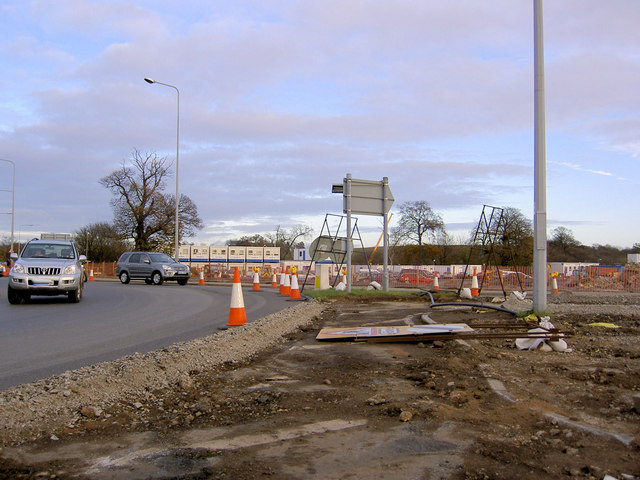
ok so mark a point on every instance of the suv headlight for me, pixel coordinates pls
(18, 268)
(70, 269)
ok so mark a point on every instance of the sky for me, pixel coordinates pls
(279, 100)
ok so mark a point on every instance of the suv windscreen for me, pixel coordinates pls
(48, 250)
(160, 258)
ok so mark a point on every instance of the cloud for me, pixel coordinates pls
(279, 100)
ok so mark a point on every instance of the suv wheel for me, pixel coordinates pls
(147, 281)
(156, 278)
(124, 277)
(182, 281)
(74, 296)
(13, 296)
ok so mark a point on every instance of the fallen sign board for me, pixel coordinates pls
(395, 332)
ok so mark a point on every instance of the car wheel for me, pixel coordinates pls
(124, 277)
(74, 296)
(13, 296)
(182, 281)
(156, 278)
(147, 281)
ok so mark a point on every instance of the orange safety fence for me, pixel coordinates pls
(591, 279)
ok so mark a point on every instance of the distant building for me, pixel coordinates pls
(65, 237)
(569, 268)
(301, 254)
(633, 257)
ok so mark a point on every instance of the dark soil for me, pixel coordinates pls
(478, 409)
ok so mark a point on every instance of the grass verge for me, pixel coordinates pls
(361, 292)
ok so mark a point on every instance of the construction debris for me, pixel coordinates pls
(552, 343)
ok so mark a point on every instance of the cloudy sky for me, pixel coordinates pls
(280, 99)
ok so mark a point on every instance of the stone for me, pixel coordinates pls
(90, 411)
(405, 416)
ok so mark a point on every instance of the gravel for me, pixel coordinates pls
(28, 411)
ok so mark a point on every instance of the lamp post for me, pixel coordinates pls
(13, 197)
(149, 80)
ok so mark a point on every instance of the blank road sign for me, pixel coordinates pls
(369, 197)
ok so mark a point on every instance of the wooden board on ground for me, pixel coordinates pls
(355, 333)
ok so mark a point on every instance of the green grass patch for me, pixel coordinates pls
(361, 293)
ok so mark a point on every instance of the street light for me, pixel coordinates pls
(149, 80)
(13, 197)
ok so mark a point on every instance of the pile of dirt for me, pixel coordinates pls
(298, 408)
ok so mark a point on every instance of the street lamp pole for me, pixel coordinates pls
(13, 198)
(149, 80)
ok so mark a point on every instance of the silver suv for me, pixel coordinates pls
(153, 268)
(46, 267)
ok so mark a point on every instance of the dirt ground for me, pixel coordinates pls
(305, 409)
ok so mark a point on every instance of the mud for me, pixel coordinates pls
(476, 409)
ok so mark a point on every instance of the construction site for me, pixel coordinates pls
(424, 386)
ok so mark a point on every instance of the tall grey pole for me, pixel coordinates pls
(540, 184)
(176, 236)
(385, 237)
(13, 198)
(347, 197)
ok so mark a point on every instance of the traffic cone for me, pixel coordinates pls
(237, 313)
(274, 280)
(256, 279)
(436, 285)
(91, 275)
(295, 291)
(201, 277)
(474, 284)
(281, 291)
(554, 285)
(286, 290)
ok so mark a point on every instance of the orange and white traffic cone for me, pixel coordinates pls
(256, 279)
(295, 290)
(91, 279)
(274, 280)
(237, 313)
(281, 291)
(286, 290)
(436, 285)
(201, 282)
(474, 284)
(554, 285)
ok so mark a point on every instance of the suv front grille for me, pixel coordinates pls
(43, 270)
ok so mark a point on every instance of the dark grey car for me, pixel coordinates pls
(152, 267)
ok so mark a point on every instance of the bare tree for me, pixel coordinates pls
(417, 220)
(517, 236)
(142, 211)
(289, 239)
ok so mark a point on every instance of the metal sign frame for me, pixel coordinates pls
(367, 197)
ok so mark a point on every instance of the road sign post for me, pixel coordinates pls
(366, 197)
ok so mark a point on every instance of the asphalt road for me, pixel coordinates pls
(49, 336)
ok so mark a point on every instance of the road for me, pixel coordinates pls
(49, 336)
